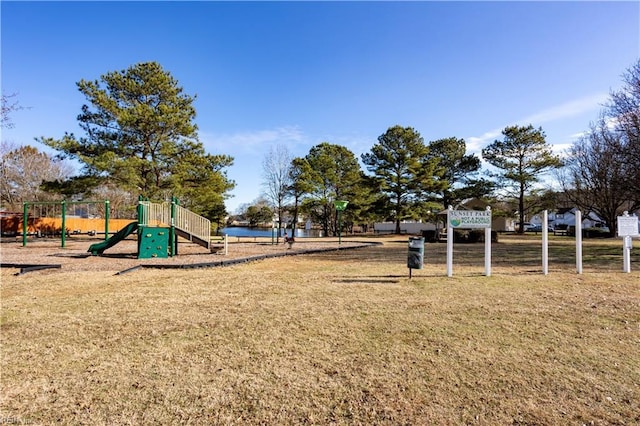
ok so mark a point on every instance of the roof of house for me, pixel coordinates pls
(564, 210)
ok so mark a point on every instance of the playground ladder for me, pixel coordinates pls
(188, 224)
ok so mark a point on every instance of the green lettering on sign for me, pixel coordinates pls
(470, 218)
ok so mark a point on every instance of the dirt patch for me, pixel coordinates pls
(123, 256)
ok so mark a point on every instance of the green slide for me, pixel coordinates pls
(98, 248)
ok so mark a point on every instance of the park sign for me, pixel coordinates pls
(627, 229)
(627, 225)
(469, 218)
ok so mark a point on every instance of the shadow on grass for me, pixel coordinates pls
(367, 280)
(524, 253)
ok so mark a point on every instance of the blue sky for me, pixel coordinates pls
(301, 73)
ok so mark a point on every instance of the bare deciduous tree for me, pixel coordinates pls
(603, 170)
(9, 104)
(596, 174)
(623, 111)
(23, 170)
(277, 180)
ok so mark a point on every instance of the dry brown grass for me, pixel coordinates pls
(335, 338)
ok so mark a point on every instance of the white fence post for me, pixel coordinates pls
(545, 242)
(449, 244)
(578, 241)
(487, 249)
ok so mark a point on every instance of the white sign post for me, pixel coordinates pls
(449, 243)
(487, 246)
(627, 228)
(578, 242)
(545, 242)
(469, 219)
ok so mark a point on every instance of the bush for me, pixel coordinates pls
(429, 235)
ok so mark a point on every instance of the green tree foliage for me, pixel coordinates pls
(363, 207)
(298, 186)
(140, 135)
(457, 172)
(521, 157)
(258, 214)
(400, 164)
(328, 173)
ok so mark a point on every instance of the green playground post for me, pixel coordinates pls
(64, 224)
(107, 205)
(63, 217)
(173, 243)
(25, 220)
(139, 210)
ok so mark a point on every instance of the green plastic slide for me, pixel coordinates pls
(99, 248)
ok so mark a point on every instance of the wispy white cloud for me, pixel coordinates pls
(563, 111)
(610, 123)
(562, 149)
(252, 142)
(567, 109)
(355, 142)
(476, 143)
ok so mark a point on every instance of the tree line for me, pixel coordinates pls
(408, 179)
(140, 137)
(404, 177)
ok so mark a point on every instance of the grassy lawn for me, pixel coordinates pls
(335, 338)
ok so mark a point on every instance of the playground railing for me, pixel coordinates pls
(192, 223)
(155, 214)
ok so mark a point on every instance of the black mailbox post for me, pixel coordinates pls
(415, 258)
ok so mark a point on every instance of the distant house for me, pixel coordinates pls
(498, 223)
(503, 224)
(566, 217)
(406, 227)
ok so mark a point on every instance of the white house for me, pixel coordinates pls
(565, 217)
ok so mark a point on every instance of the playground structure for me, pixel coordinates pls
(55, 216)
(158, 225)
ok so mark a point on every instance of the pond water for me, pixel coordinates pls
(243, 231)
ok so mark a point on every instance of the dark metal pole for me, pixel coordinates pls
(339, 227)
